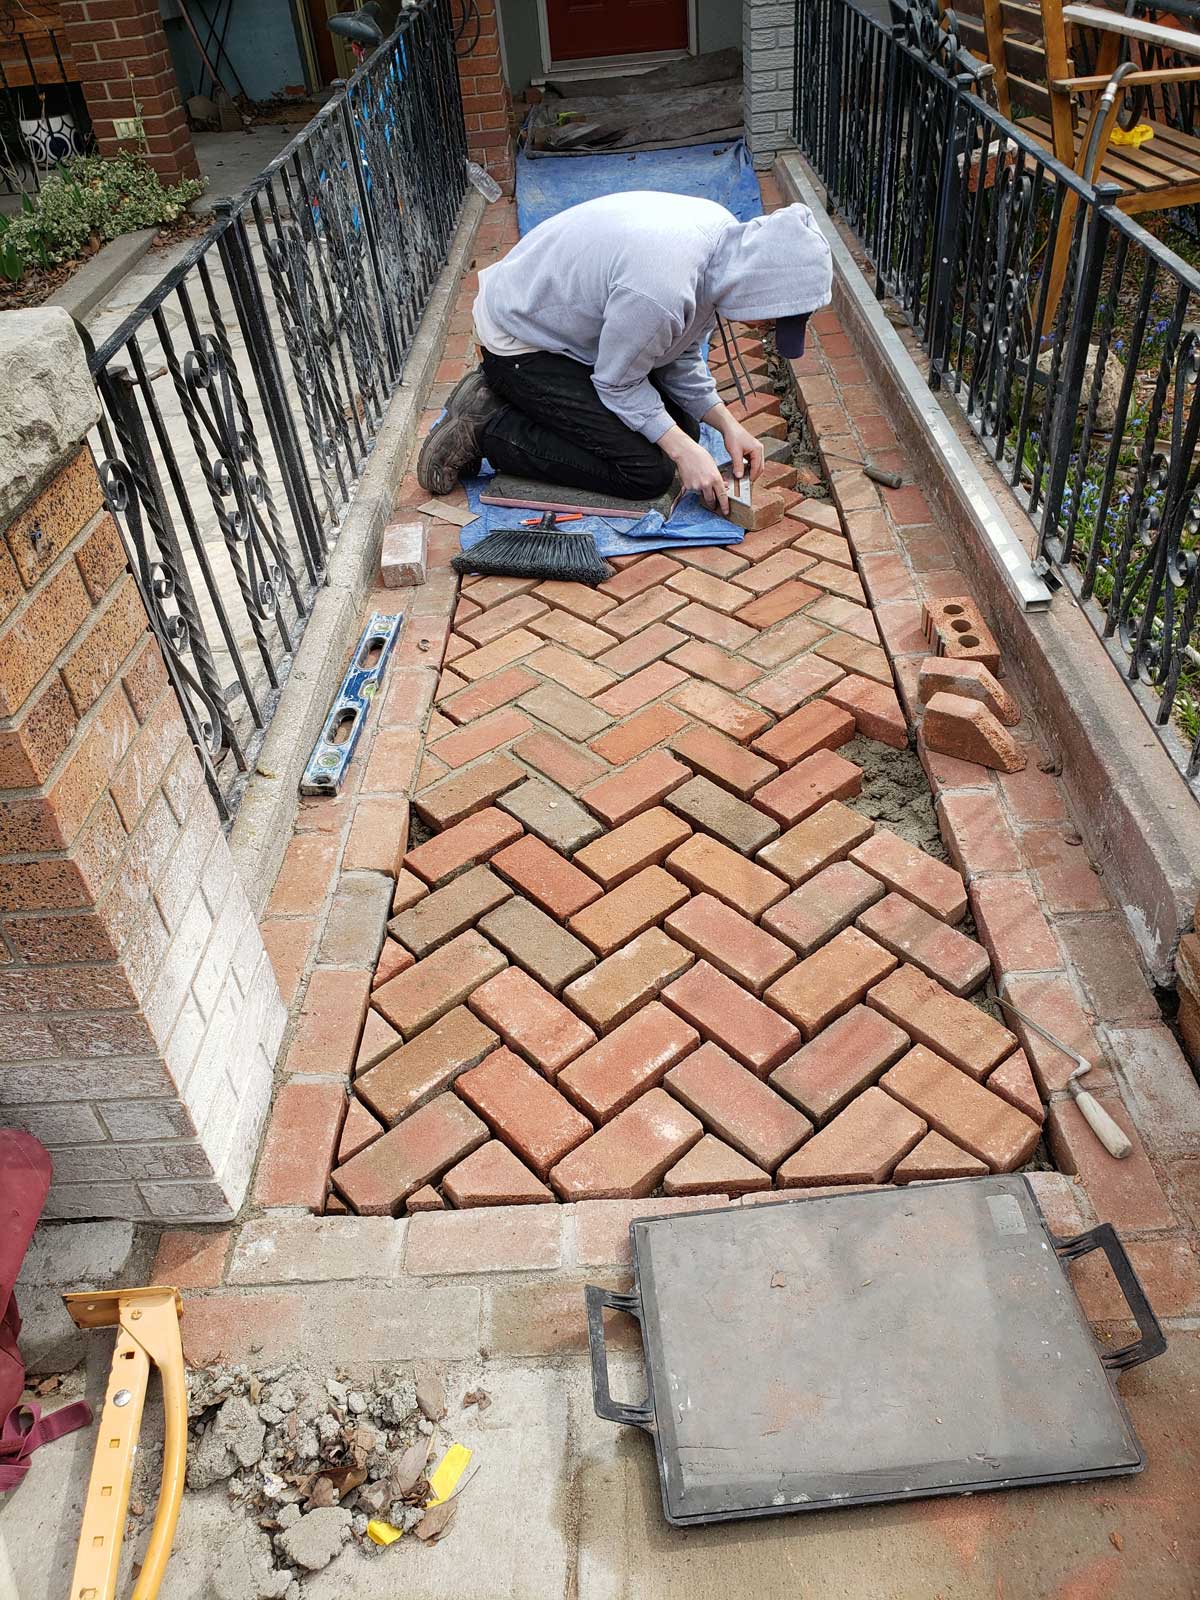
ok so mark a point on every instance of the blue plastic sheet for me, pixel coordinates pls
(547, 185)
(691, 523)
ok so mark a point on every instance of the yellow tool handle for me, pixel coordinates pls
(170, 1494)
(99, 1553)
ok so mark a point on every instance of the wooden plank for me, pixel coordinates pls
(1180, 39)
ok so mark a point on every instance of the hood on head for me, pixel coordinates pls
(773, 266)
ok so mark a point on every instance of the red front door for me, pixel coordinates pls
(580, 29)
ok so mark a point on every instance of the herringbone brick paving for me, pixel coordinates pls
(652, 937)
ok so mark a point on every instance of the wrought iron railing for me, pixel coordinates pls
(1060, 327)
(43, 116)
(242, 398)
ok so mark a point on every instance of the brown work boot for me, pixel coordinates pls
(452, 450)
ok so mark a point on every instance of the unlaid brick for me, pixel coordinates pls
(932, 1016)
(732, 943)
(444, 979)
(627, 979)
(629, 909)
(531, 1021)
(810, 784)
(492, 1176)
(936, 1157)
(970, 679)
(828, 835)
(710, 809)
(829, 982)
(628, 1156)
(875, 708)
(712, 755)
(378, 1180)
(729, 1016)
(449, 911)
(641, 842)
(852, 1053)
(545, 877)
(408, 1076)
(712, 1167)
(962, 1110)
(632, 1058)
(705, 864)
(537, 942)
(954, 626)
(523, 1110)
(967, 730)
(644, 783)
(816, 726)
(910, 871)
(466, 844)
(862, 1144)
(737, 1107)
(910, 933)
(464, 793)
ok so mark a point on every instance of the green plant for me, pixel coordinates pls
(12, 261)
(95, 198)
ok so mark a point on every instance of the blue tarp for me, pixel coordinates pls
(720, 172)
(550, 184)
(691, 524)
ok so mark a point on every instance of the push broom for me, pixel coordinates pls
(546, 551)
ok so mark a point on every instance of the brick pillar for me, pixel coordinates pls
(125, 69)
(139, 1013)
(487, 103)
(768, 35)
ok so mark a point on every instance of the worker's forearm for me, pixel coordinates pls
(718, 417)
(675, 443)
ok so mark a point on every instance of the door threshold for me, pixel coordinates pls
(608, 66)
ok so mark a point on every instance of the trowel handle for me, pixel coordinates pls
(1110, 1134)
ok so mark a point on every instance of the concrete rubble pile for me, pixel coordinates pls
(309, 1461)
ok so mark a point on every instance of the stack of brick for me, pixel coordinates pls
(139, 1013)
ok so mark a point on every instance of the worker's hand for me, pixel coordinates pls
(745, 450)
(698, 472)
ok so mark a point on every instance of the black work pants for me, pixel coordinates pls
(556, 427)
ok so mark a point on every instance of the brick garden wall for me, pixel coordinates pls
(139, 1013)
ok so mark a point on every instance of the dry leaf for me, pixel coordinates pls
(255, 1391)
(323, 1494)
(778, 1281)
(48, 1386)
(431, 1397)
(411, 1467)
(435, 1521)
(477, 1397)
(346, 1478)
(1116, 1541)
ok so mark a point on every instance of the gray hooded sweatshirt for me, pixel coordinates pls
(631, 283)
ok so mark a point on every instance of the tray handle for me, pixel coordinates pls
(1151, 1343)
(612, 1410)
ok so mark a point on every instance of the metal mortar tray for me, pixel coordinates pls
(854, 1348)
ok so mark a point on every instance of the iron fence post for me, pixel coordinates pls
(234, 249)
(1085, 293)
(945, 233)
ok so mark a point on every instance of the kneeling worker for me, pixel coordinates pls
(592, 328)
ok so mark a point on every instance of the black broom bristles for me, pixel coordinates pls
(536, 553)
